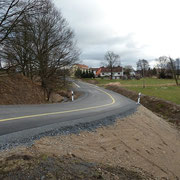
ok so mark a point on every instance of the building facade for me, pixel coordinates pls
(75, 67)
(105, 72)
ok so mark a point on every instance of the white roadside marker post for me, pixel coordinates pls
(72, 95)
(139, 98)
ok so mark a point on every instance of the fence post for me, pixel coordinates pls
(139, 98)
(72, 95)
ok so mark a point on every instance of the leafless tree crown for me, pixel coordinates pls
(111, 60)
(37, 40)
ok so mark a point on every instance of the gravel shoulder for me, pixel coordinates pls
(140, 146)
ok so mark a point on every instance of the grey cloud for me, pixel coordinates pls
(124, 46)
(93, 35)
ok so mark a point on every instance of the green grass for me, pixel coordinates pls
(169, 93)
(148, 81)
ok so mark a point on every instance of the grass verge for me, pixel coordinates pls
(169, 93)
(165, 109)
(134, 82)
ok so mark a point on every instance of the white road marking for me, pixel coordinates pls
(77, 85)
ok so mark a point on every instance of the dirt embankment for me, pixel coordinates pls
(165, 109)
(141, 146)
(18, 89)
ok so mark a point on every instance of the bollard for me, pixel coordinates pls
(72, 96)
(139, 98)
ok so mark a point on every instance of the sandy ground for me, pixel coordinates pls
(141, 141)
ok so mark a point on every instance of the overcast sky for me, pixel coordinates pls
(134, 29)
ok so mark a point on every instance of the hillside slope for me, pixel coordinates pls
(18, 89)
(142, 143)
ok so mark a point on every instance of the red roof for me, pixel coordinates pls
(94, 69)
(82, 66)
(106, 69)
(98, 72)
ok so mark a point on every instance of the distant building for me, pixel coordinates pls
(105, 72)
(75, 67)
(94, 70)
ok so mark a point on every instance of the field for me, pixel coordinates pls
(148, 81)
(161, 88)
(169, 93)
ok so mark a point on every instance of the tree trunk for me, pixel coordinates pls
(111, 73)
(173, 70)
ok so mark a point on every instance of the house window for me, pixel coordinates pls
(118, 73)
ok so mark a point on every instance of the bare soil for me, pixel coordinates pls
(18, 89)
(141, 146)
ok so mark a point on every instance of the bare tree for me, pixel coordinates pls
(17, 49)
(54, 45)
(112, 60)
(162, 62)
(162, 66)
(11, 13)
(128, 69)
(178, 67)
(143, 66)
(42, 45)
(168, 67)
(173, 70)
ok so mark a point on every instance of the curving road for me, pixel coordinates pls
(18, 122)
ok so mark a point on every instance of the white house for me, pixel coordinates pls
(106, 72)
(94, 70)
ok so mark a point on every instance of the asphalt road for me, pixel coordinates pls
(18, 122)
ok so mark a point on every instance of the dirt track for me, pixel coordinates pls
(141, 142)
